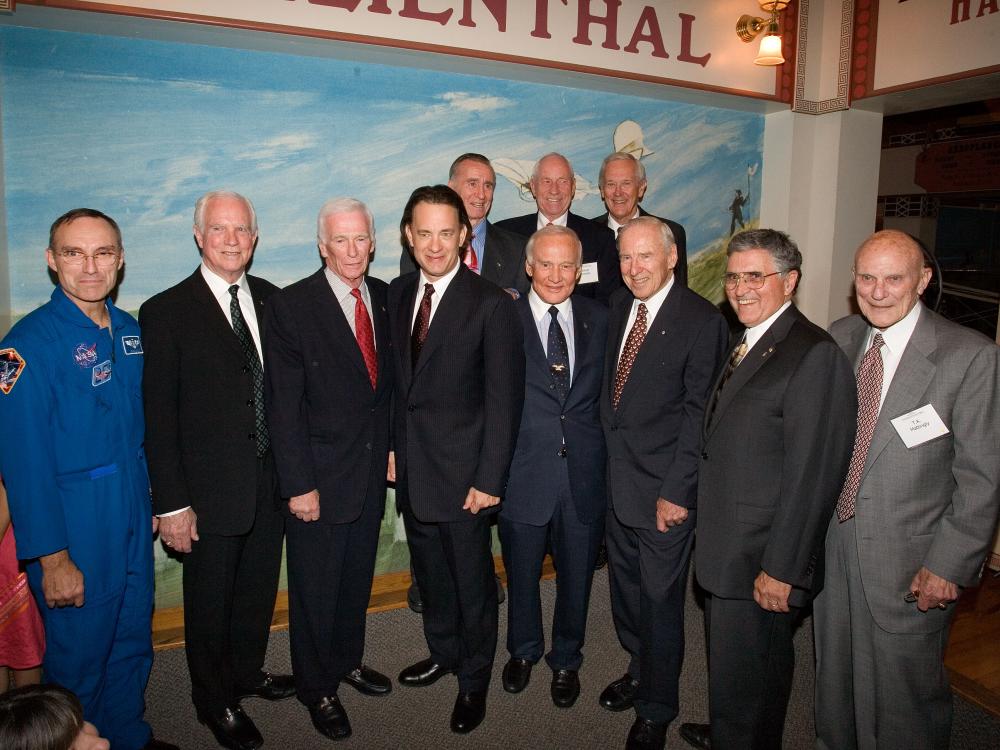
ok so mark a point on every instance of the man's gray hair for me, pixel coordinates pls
(342, 205)
(553, 230)
(666, 236)
(534, 169)
(784, 252)
(640, 170)
(199, 207)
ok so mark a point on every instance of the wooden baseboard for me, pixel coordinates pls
(388, 592)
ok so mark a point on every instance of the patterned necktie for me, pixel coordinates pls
(471, 259)
(558, 355)
(253, 362)
(632, 344)
(869, 395)
(365, 335)
(421, 324)
(739, 352)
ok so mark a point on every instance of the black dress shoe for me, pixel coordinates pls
(366, 680)
(516, 674)
(233, 729)
(330, 718)
(270, 687)
(155, 744)
(565, 687)
(646, 735)
(423, 673)
(697, 735)
(618, 695)
(413, 599)
(470, 708)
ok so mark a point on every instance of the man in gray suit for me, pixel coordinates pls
(917, 511)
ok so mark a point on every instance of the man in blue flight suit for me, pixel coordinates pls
(73, 463)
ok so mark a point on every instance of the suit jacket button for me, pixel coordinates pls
(704, 456)
(368, 446)
(249, 402)
(246, 368)
(562, 417)
(411, 407)
(252, 436)
(562, 452)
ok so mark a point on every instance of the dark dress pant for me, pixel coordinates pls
(648, 576)
(574, 551)
(454, 564)
(330, 570)
(230, 584)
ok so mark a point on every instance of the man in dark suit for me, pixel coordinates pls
(329, 389)
(494, 253)
(211, 467)
(459, 360)
(553, 183)
(916, 515)
(665, 344)
(622, 182)
(557, 490)
(778, 437)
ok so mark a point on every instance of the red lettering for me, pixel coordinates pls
(349, 5)
(585, 18)
(957, 5)
(648, 30)
(411, 9)
(687, 21)
(541, 29)
(986, 5)
(379, 6)
(497, 8)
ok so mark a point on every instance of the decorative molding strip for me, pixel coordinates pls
(863, 64)
(898, 140)
(908, 206)
(842, 100)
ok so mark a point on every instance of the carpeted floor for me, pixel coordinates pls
(418, 717)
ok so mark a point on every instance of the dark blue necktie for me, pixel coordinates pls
(558, 355)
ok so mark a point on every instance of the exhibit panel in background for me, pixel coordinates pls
(139, 129)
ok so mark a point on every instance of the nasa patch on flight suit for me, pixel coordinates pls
(132, 344)
(11, 366)
(101, 373)
(85, 355)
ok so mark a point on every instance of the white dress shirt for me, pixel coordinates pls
(542, 317)
(896, 337)
(348, 303)
(440, 287)
(653, 305)
(220, 290)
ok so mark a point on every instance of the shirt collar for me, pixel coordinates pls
(340, 289)
(613, 224)
(559, 221)
(441, 285)
(753, 334)
(219, 286)
(540, 308)
(898, 334)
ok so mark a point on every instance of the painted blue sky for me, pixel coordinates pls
(139, 129)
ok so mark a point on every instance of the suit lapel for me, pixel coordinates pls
(327, 309)
(533, 348)
(216, 322)
(450, 315)
(617, 321)
(404, 326)
(380, 322)
(909, 384)
(657, 332)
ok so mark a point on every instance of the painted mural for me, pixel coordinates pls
(139, 129)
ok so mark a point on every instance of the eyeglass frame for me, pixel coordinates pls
(103, 258)
(732, 280)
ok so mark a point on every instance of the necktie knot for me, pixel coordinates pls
(554, 312)
(356, 293)
(234, 290)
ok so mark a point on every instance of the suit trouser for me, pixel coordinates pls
(874, 689)
(230, 584)
(330, 569)
(454, 564)
(103, 650)
(751, 661)
(648, 571)
(574, 550)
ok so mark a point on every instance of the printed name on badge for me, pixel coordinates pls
(132, 344)
(101, 373)
(589, 273)
(11, 367)
(920, 425)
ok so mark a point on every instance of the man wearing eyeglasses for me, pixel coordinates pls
(916, 515)
(777, 440)
(211, 467)
(72, 460)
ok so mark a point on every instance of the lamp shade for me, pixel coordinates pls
(770, 51)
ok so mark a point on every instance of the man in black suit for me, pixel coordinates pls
(329, 389)
(211, 467)
(622, 182)
(778, 439)
(459, 361)
(665, 344)
(553, 183)
(557, 489)
(494, 253)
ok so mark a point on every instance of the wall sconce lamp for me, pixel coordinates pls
(749, 27)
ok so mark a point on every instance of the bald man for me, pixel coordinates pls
(917, 512)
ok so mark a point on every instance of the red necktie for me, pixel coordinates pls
(421, 324)
(869, 395)
(470, 258)
(632, 344)
(365, 335)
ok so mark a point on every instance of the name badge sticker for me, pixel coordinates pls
(918, 426)
(132, 344)
(101, 373)
(589, 274)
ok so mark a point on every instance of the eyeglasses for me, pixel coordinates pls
(105, 258)
(750, 279)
